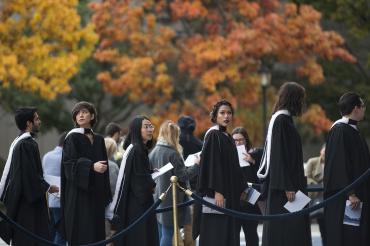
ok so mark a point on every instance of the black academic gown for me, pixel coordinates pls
(137, 197)
(346, 158)
(286, 174)
(85, 193)
(250, 226)
(219, 172)
(25, 197)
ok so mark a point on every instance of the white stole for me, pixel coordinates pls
(215, 127)
(344, 120)
(110, 209)
(9, 160)
(76, 130)
(265, 162)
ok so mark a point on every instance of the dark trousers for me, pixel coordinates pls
(249, 226)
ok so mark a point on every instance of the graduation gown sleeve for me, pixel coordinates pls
(211, 177)
(76, 169)
(141, 182)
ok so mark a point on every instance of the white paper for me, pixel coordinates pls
(241, 154)
(300, 201)
(352, 216)
(53, 180)
(191, 159)
(252, 195)
(208, 210)
(162, 170)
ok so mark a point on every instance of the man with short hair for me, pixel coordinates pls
(346, 158)
(113, 130)
(22, 186)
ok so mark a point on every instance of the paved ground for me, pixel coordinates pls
(316, 239)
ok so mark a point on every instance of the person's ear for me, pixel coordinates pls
(92, 116)
(29, 123)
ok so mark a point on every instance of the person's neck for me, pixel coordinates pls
(352, 117)
(85, 126)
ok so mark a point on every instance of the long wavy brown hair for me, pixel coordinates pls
(291, 96)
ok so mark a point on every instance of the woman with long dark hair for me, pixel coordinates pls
(282, 169)
(135, 186)
(220, 180)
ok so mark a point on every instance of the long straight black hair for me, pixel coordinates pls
(134, 133)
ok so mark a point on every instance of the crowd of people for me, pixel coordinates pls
(103, 190)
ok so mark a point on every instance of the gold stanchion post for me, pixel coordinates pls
(174, 204)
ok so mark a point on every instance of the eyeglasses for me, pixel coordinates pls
(147, 127)
(239, 140)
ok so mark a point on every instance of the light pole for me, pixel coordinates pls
(265, 81)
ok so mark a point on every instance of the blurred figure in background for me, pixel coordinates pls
(314, 171)
(111, 148)
(115, 132)
(241, 137)
(190, 145)
(51, 166)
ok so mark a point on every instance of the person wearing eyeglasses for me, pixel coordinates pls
(253, 157)
(135, 187)
(347, 157)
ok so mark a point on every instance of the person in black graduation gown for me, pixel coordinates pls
(253, 156)
(346, 158)
(23, 188)
(220, 178)
(137, 187)
(284, 170)
(84, 180)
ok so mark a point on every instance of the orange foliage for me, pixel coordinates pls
(184, 55)
(316, 116)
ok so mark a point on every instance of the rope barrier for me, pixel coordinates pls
(305, 211)
(127, 229)
(24, 230)
(102, 242)
(310, 188)
(179, 205)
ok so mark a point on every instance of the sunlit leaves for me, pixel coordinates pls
(42, 45)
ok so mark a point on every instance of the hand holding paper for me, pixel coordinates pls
(162, 170)
(192, 159)
(300, 201)
(241, 154)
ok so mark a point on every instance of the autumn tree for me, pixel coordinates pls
(181, 56)
(42, 45)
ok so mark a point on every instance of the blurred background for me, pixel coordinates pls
(168, 58)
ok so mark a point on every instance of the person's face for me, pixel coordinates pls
(35, 125)
(84, 118)
(239, 139)
(360, 111)
(147, 130)
(224, 116)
